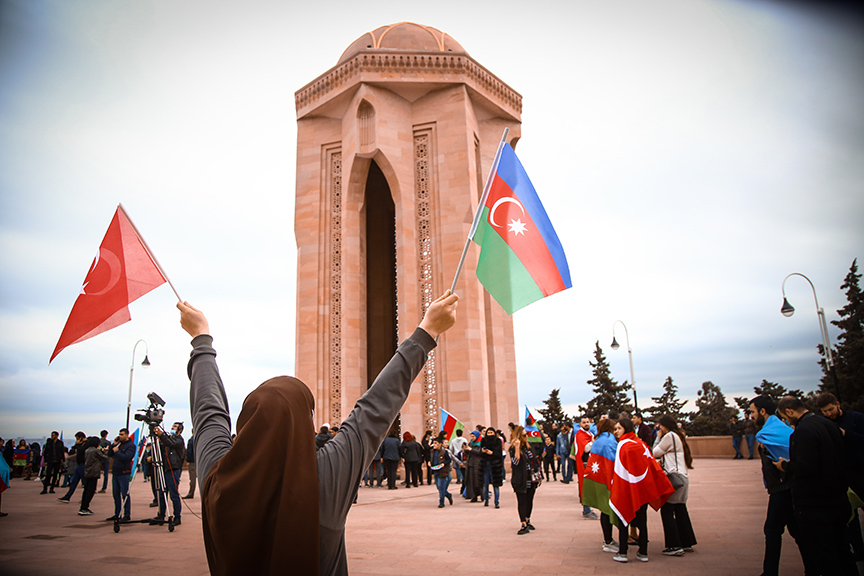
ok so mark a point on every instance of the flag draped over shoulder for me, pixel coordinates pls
(521, 259)
(122, 272)
(19, 456)
(4, 475)
(583, 437)
(774, 435)
(598, 474)
(531, 430)
(449, 424)
(637, 479)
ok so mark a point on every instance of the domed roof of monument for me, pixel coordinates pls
(406, 36)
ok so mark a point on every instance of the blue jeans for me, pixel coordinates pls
(105, 466)
(736, 444)
(487, 480)
(460, 473)
(120, 486)
(442, 484)
(751, 439)
(566, 468)
(78, 475)
(172, 482)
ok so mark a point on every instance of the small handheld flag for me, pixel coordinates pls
(123, 271)
(449, 424)
(531, 430)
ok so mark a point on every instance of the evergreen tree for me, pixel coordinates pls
(554, 412)
(713, 414)
(849, 351)
(666, 403)
(609, 395)
(774, 391)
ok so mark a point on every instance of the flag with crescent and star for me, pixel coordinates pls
(598, 474)
(531, 430)
(582, 439)
(122, 272)
(521, 259)
(637, 479)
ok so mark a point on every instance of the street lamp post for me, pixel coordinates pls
(788, 310)
(630, 356)
(145, 364)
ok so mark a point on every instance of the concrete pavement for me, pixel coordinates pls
(404, 532)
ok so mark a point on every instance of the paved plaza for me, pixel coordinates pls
(404, 532)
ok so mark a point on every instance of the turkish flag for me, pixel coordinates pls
(122, 272)
(637, 480)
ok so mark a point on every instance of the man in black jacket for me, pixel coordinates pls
(781, 514)
(78, 476)
(819, 487)
(53, 454)
(173, 450)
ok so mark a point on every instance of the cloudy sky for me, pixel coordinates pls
(691, 153)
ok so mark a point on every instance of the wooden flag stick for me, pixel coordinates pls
(149, 252)
(492, 170)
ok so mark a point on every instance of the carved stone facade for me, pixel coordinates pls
(409, 113)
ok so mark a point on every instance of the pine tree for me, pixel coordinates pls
(554, 412)
(667, 403)
(609, 395)
(713, 414)
(849, 351)
(774, 391)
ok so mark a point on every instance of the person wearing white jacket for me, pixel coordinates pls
(670, 448)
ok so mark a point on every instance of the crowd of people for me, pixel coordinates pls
(90, 458)
(621, 464)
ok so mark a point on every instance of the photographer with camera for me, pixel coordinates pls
(173, 450)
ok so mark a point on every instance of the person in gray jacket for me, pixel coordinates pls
(268, 514)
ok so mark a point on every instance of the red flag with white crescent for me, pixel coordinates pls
(583, 438)
(638, 479)
(122, 272)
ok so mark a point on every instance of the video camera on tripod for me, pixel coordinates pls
(153, 414)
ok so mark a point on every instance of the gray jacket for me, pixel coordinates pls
(341, 461)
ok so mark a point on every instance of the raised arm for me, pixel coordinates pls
(209, 404)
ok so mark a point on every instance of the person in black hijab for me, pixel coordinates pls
(282, 510)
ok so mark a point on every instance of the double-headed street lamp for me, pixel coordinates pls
(630, 355)
(145, 364)
(787, 310)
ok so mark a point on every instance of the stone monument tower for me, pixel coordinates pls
(393, 147)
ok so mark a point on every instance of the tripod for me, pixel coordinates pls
(158, 475)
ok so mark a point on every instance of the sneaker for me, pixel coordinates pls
(187, 497)
(85, 512)
(611, 547)
(441, 505)
(449, 498)
(177, 521)
(154, 504)
(591, 516)
(523, 530)
(111, 519)
(63, 500)
(673, 552)
(689, 549)
(620, 557)
(642, 557)
(530, 526)
(102, 491)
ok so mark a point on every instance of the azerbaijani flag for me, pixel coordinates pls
(140, 444)
(449, 424)
(531, 430)
(521, 259)
(19, 456)
(774, 435)
(598, 475)
(4, 475)
(577, 449)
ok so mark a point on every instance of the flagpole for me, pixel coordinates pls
(149, 252)
(492, 170)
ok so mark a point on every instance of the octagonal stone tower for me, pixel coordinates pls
(393, 147)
